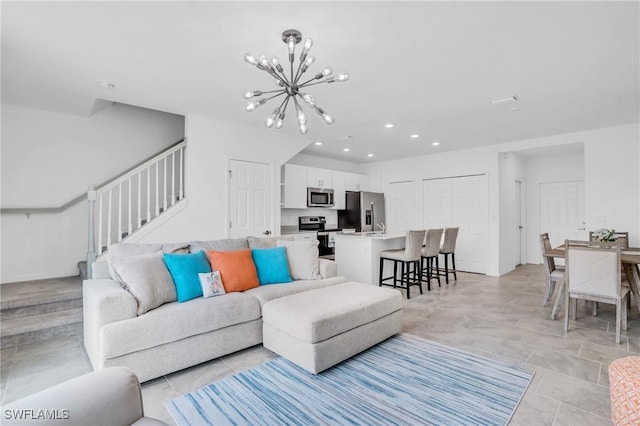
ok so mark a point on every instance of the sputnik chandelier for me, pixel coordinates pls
(290, 86)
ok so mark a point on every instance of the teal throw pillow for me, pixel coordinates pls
(272, 265)
(184, 269)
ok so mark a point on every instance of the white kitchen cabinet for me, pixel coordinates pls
(295, 187)
(356, 182)
(318, 178)
(338, 179)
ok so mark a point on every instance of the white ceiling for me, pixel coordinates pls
(428, 67)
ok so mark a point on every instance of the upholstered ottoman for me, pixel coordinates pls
(624, 385)
(319, 328)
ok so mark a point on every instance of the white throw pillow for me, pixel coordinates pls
(303, 259)
(211, 284)
(147, 278)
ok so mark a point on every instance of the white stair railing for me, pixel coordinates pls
(135, 199)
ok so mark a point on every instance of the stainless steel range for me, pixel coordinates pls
(326, 236)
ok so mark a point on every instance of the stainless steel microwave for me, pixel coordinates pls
(320, 197)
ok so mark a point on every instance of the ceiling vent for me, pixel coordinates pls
(504, 100)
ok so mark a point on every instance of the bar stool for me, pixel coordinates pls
(429, 253)
(409, 255)
(449, 248)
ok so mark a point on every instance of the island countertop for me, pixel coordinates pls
(372, 234)
(358, 254)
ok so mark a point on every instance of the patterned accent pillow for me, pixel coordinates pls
(211, 284)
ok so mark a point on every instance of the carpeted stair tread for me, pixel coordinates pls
(40, 322)
(21, 294)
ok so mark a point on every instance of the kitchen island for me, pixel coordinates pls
(358, 254)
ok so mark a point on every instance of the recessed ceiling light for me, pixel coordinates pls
(318, 143)
(414, 136)
(388, 125)
(346, 150)
(504, 100)
(106, 85)
(435, 143)
(369, 155)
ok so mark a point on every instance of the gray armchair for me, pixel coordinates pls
(110, 396)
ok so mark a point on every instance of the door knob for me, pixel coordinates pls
(267, 232)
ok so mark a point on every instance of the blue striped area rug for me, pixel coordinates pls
(405, 380)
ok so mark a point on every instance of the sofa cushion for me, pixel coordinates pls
(267, 242)
(184, 269)
(264, 293)
(320, 314)
(228, 244)
(132, 249)
(272, 265)
(237, 269)
(172, 322)
(147, 278)
(303, 259)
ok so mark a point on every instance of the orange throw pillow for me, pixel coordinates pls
(237, 270)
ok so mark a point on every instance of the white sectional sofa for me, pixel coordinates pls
(175, 335)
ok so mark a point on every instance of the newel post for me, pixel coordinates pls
(91, 250)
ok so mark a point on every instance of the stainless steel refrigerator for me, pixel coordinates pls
(364, 210)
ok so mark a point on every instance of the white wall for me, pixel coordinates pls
(612, 191)
(511, 168)
(210, 144)
(50, 158)
(327, 163)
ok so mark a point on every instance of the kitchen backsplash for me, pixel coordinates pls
(289, 217)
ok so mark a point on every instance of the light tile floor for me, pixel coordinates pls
(500, 318)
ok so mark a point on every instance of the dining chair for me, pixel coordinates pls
(553, 273)
(449, 249)
(407, 257)
(623, 236)
(430, 253)
(593, 273)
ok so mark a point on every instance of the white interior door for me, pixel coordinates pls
(462, 202)
(437, 203)
(562, 211)
(250, 211)
(402, 206)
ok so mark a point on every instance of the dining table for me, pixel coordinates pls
(630, 259)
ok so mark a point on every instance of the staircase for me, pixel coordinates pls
(40, 310)
(130, 203)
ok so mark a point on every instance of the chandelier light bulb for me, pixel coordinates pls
(264, 62)
(302, 117)
(279, 83)
(269, 122)
(248, 94)
(309, 100)
(251, 106)
(291, 43)
(279, 123)
(328, 118)
(276, 63)
(343, 76)
(307, 45)
(327, 72)
(248, 58)
(303, 128)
